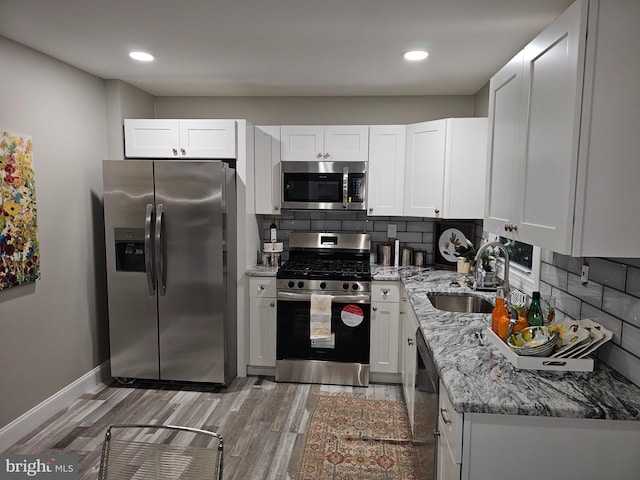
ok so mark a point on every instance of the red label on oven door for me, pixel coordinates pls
(352, 315)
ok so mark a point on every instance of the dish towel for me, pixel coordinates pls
(320, 317)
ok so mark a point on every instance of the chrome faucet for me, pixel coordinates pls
(477, 264)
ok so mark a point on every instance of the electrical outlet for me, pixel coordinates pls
(392, 231)
(584, 275)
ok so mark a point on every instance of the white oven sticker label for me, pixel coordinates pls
(352, 315)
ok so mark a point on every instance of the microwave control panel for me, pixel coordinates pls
(356, 187)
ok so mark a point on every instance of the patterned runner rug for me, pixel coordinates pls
(357, 438)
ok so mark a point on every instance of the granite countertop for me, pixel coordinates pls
(480, 379)
(261, 271)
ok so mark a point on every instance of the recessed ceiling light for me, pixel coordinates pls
(415, 55)
(141, 56)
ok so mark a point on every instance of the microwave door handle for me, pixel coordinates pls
(345, 187)
(148, 254)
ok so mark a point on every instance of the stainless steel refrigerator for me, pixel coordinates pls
(171, 255)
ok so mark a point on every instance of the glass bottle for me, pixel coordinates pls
(534, 314)
(498, 311)
(273, 231)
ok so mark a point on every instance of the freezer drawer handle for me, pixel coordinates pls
(159, 250)
(148, 262)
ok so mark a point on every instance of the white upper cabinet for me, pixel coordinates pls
(151, 138)
(445, 168)
(267, 170)
(465, 167)
(563, 169)
(505, 138)
(348, 143)
(424, 169)
(385, 173)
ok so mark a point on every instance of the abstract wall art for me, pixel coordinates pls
(19, 249)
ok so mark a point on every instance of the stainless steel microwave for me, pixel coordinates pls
(324, 185)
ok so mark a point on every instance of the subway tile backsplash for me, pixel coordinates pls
(416, 233)
(611, 297)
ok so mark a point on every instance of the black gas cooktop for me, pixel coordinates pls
(325, 268)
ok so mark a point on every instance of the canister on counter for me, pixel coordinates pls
(406, 256)
(385, 254)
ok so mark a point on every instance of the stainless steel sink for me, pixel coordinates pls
(460, 302)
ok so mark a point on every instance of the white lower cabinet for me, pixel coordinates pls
(450, 440)
(408, 354)
(262, 321)
(480, 446)
(385, 327)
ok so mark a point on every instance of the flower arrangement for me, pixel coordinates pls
(489, 259)
(466, 252)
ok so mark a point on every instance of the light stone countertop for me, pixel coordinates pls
(480, 379)
(261, 271)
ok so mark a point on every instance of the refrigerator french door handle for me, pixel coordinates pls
(159, 250)
(345, 187)
(148, 260)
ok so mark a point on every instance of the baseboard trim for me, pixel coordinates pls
(28, 421)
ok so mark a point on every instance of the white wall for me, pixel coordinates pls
(54, 331)
(318, 110)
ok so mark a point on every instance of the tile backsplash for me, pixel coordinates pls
(611, 296)
(413, 232)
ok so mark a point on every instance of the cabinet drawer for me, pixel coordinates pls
(450, 424)
(385, 292)
(260, 287)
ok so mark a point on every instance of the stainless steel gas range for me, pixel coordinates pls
(331, 269)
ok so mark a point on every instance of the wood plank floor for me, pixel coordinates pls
(262, 422)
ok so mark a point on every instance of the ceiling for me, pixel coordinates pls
(283, 47)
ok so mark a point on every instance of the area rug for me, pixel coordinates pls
(357, 438)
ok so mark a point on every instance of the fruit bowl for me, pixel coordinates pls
(533, 341)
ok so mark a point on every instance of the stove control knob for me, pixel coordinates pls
(345, 286)
(355, 286)
(323, 285)
(291, 284)
(300, 284)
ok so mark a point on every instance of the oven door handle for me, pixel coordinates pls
(306, 297)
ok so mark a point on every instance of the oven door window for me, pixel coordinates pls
(313, 187)
(350, 341)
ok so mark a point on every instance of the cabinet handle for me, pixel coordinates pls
(262, 287)
(371, 210)
(446, 420)
(272, 304)
(276, 208)
(410, 342)
(375, 309)
(183, 151)
(319, 155)
(515, 227)
(175, 151)
(437, 211)
(385, 291)
(326, 155)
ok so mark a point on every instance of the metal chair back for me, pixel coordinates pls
(168, 452)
